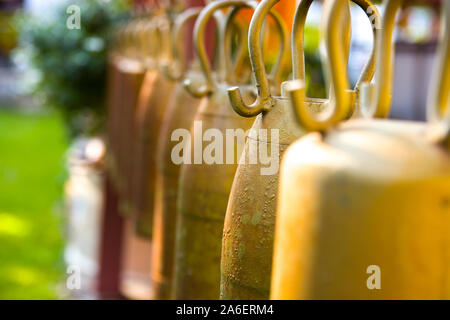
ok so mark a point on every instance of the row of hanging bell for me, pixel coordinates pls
(140, 120)
(248, 234)
(204, 187)
(129, 61)
(154, 96)
(179, 116)
(125, 75)
(364, 205)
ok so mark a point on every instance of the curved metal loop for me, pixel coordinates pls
(298, 39)
(336, 65)
(176, 71)
(340, 104)
(230, 22)
(138, 37)
(276, 72)
(163, 30)
(241, 30)
(263, 100)
(376, 98)
(199, 38)
(199, 45)
(438, 107)
(131, 38)
(145, 36)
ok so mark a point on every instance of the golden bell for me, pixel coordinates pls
(179, 115)
(154, 97)
(128, 78)
(204, 186)
(364, 207)
(250, 220)
(134, 278)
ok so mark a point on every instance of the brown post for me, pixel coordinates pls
(110, 245)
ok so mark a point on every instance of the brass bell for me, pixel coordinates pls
(154, 97)
(363, 206)
(131, 67)
(127, 79)
(250, 220)
(204, 187)
(179, 115)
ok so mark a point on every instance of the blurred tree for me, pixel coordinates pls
(68, 66)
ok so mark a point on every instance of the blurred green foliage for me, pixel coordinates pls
(31, 184)
(68, 66)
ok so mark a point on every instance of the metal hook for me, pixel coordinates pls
(376, 98)
(322, 120)
(180, 61)
(439, 99)
(199, 45)
(276, 71)
(263, 100)
(340, 105)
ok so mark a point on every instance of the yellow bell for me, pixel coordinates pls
(364, 207)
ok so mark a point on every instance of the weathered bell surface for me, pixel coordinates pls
(372, 196)
(250, 219)
(247, 238)
(179, 116)
(202, 200)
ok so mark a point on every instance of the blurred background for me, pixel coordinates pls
(52, 125)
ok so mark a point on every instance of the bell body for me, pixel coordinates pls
(247, 243)
(153, 100)
(179, 115)
(202, 202)
(114, 91)
(130, 78)
(249, 223)
(364, 213)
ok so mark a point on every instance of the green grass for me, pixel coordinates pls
(32, 174)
